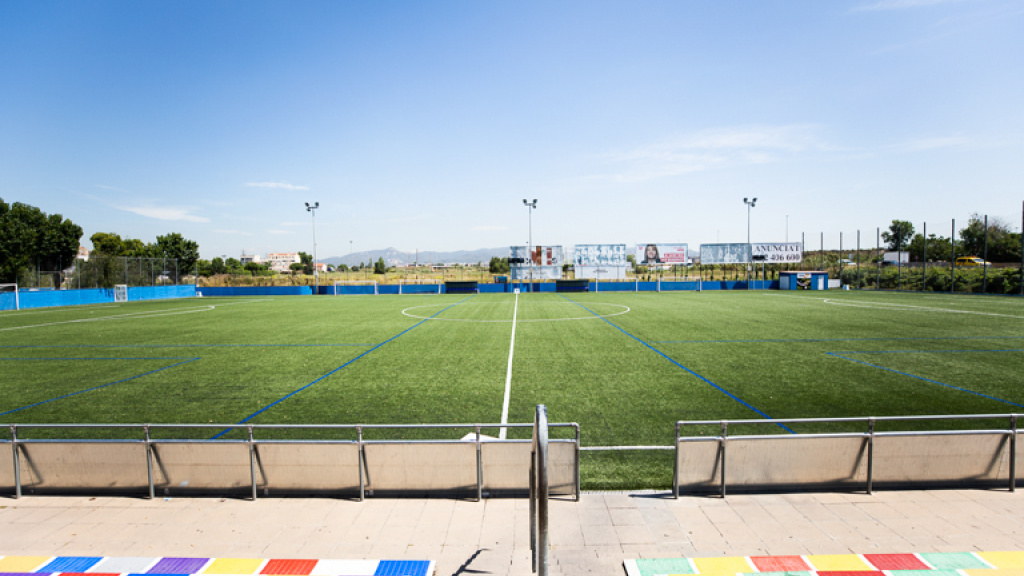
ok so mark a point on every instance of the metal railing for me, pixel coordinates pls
(331, 466)
(539, 492)
(823, 460)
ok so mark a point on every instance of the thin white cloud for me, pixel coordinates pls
(934, 143)
(168, 214)
(278, 185)
(279, 232)
(485, 228)
(711, 149)
(235, 232)
(882, 5)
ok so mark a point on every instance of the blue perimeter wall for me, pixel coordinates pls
(50, 298)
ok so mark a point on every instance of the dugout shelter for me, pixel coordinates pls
(803, 280)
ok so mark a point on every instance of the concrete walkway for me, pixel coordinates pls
(594, 535)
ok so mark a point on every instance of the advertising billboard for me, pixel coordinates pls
(600, 261)
(546, 262)
(780, 252)
(724, 253)
(651, 254)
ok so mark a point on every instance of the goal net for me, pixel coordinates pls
(9, 297)
(121, 293)
(342, 287)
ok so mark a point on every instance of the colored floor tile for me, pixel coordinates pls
(652, 566)
(779, 563)
(790, 573)
(953, 560)
(90, 574)
(1003, 559)
(722, 565)
(929, 573)
(288, 566)
(234, 566)
(991, 572)
(402, 568)
(71, 564)
(22, 563)
(23, 573)
(896, 562)
(838, 563)
(178, 566)
(347, 567)
(125, 564)
(850, 573)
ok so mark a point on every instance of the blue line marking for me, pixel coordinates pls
(294, 392)
(69, 395)
(930, 381)
(663, 355)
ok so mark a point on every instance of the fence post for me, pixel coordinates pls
(17, 462)
(149, 462)
(871, 453)
(721, 453)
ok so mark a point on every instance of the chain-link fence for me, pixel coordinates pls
(106, 272)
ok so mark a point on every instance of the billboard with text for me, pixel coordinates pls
(649, 254)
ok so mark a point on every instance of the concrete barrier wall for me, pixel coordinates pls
(809, 462)
(280, 468)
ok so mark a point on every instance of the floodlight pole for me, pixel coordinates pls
(750, 257)
(316, 272)
(529, 243)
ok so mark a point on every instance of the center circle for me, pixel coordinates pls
(591, 312)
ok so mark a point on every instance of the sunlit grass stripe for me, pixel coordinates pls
(31, 346)
(345, 365)
(922, 378)
(670, 359)
(69, 395)
(768, 340)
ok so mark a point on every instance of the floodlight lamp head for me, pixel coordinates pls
(745, 201)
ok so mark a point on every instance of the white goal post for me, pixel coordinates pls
(9, 302)
(367, 283)
(120, 293)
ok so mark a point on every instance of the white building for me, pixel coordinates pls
(247, 258)
(282, 261)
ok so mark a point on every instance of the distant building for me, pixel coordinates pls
(254, 258)
(83, 253)
(282, 261)
(321, 267)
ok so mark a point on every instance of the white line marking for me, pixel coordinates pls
(873, 304)
(508, 373)
(593, 316)
(132, 315)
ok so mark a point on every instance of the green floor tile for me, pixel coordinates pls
(652, 566)
(952, 560)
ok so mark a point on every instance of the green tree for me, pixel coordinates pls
(31, 239)
(498, 265)
(938, 248)
(217, 266)
(173, 245)
(307, 263)
(380, 267)
(899, 235)
(107, 243)
(342, 268)
(1003, 243)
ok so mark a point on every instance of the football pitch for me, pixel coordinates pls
(625, 366)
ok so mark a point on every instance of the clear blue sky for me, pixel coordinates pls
(423, 125)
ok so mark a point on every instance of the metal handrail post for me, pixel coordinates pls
(540, 472)
(871, 454)
(479, 468)
(675, 466)
(362, 463)
(1013, 452)
(577, 466)
(17, 462)
(252, 463)
(721, 453)
(149, 462)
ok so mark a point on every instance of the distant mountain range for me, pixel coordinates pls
(393, 257)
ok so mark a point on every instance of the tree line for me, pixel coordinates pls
(33, 241)
(1000, 244)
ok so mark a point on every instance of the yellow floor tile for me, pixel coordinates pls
(712, 566)
(22, 563)
(823, 562)
(1003, 559)
(234, 566)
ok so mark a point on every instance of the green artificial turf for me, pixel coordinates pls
(625, 366)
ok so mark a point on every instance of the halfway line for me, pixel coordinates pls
(508, 373)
